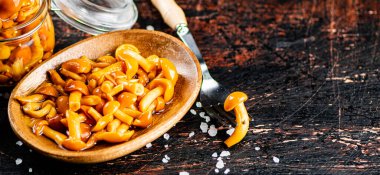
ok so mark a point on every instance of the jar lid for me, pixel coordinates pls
(96, 16)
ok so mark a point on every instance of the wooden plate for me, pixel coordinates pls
(148, 42)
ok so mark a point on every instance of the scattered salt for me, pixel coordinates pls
(257, 148)
(183, 173)
(166, 136)
(19, 143)
(166, 146)
(207, 118)
(167, 157)
(219, 158)
(276, 159)
(230, 131)
(214, 154)
(192, 111)
(148, 145)
(227, 171)
(216, 170)
(348, 81)
(18, 161)
(164, 160)
(204, 127)
(220, 164)
(149, 27)
(198, 104)
(191, 134)
(225, 154)
(202, 114)
(212, 131)
(30, 150)
(30, 170)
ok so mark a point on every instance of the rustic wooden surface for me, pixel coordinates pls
(311, 70)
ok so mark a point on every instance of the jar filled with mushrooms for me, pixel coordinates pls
(26, 37)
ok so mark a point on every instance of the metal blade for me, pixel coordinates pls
(185, 35)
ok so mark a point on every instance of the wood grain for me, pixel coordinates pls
(310, 68)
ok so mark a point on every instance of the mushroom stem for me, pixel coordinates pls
(74, 100)
(150, 97)
(54, 135)
(74, 141)
(123, 117)
(242, 125)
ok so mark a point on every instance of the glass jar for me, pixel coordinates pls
(26, 37)
(97, 16)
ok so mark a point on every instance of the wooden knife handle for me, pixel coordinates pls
(170, 12)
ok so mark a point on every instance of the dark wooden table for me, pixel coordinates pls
(311, 69)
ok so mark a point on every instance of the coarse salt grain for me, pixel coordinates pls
(204, 127)
(30, 170)
(202, 114)
(225, 154)
(19, 143)
(257, 148)
(166, 146)
(164, 160)
(149, 27)
(18, 161)
(207, 118)
(148, 145)
(166, 136)
(212, 131)
(183, 173)
(192, 111)
(220, 164)
(276, 159)
(214, 154)
(230, 131)
(198, 104)
(191, 134)
(216, 170)
(226, 171)
(167, 157)
(219, 158)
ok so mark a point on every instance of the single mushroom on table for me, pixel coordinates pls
(235, 101)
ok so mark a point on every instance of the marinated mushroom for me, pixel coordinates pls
(235, 101)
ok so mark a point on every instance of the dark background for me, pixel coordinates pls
(310, 68)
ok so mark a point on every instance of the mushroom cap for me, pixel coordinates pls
(38, 126)
(120, 50)
(48, 90)
(126, 99)
(169, 70)
(76, 85)
(145, 120)
(62, 104)
(74, 144)
(111, 107)
(106, 59)
(234, 99)
(81, 65)
(166, 84)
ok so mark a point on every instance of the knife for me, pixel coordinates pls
(175, 18)
(212, 94)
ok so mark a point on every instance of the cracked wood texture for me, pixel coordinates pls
(310, 68)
